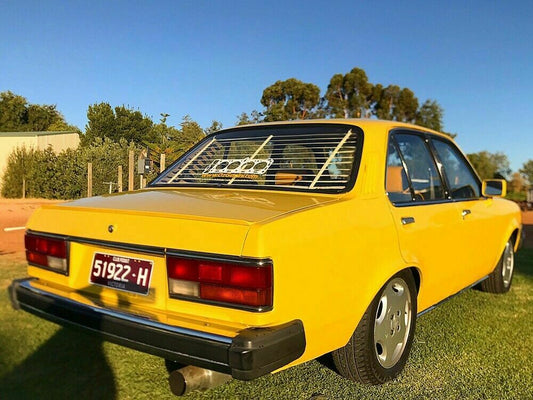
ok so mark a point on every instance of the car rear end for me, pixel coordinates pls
(114, 274)
(171, 270)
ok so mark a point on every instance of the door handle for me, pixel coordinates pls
(408, 220)
(465, 213)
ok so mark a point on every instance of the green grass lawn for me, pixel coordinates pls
(476, 346)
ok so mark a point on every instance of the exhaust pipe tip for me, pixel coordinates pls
(177, 383)
(187, 379)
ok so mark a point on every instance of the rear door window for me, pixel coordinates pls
(397, 184)
(418, 170)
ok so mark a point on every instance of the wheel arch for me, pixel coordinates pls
(416, 276)
(359, 359)
(515, 238)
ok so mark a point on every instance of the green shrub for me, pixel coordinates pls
(516, 196)
(19, 166)
(46, 174)
(105, 156)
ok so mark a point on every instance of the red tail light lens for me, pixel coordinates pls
(47, 252)
(249, 285)
(234, 295)
(182, 268)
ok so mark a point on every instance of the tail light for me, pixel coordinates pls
(245, 285)
(47, 252)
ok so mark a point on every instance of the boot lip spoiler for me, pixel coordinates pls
(253, 352)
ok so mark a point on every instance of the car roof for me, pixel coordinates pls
(360, 122)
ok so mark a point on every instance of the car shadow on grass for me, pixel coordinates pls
(71, 364)
(524, 261)
(327, 361)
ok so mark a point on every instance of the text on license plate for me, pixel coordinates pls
(122, 273)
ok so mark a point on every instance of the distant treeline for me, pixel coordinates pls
(111, 131)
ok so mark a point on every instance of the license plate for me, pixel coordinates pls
(122, 273)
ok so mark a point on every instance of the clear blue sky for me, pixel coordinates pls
(212, 59)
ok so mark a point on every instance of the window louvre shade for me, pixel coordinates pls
(313, 158)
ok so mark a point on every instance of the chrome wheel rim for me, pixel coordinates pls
(507, 264)
(393, 322)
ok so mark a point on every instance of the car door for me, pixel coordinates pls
(427, 221)
(480, 232)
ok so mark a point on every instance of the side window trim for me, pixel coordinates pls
(404, 165)
(427, 138)
(444, 175)
(440, 167)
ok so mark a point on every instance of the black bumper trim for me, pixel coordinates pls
(252, 353)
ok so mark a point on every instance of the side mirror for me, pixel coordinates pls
(494, 188)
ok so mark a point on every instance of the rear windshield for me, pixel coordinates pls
(314, 157)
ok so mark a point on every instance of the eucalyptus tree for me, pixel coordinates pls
(430, 115)
(393, 103)
(490, 165)
(349, 95)
(290, 99)
(527, 171)
(215, 126)
(254, 118)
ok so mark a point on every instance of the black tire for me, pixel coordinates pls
(366, 358)
(499, 281)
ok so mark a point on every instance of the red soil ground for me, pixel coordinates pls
(15, 213)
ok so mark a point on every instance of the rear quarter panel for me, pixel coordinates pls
(329, 262)
(503, 218)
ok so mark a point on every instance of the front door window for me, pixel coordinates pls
(462, 182)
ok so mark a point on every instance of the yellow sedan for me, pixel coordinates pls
(268, 245)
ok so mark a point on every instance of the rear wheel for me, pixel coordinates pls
(499, 281)
(380, 345)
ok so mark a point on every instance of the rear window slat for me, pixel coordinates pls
(313, 158)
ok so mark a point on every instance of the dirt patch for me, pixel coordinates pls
(14, 214)
(527, 217)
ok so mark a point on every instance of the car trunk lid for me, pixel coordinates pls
(171, 217)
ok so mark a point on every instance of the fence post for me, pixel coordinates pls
(120, 178)
(130, 172)
(23, 187)
(89, 179)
